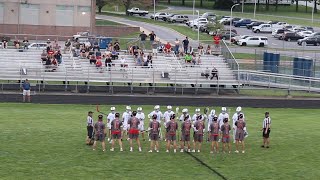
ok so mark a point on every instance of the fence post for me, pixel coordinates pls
(175, 80)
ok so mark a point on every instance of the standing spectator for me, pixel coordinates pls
(200, 49)
(214, 73)
(185, 43)
(25, 43)
(4, 44)
(108, 62)
(152, 36)
(208, 51)
(176, 46)
(167, 48)
(266, 130)
(48, 42)
(67, 46)
(155, 48)
(58, 57)
(26, 90)
(116, 46)
(143, 37)
(16, 44)
(216, 40)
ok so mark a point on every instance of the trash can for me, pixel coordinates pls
(103, 42)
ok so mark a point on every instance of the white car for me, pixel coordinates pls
(254, 41)
(38, 46)
(266, 28)
(223, 20)
(236, 39)
(159, 15)
(199, 22)
(305, 33)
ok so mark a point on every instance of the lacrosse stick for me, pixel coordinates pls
(177, 116)
(98, 110)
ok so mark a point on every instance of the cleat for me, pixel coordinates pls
(121, 149)
(236, 151)
(211, 152)
(193, 151)
(242, 152)
(104, 150)
(108, 139)
(140, 149)
(112, 149)
(93, 149)
(181, 150)
(157, 151)
(167, 151)
(189, 150)
(174, 150)
(131, 149)
(150, 151)
(198, 151)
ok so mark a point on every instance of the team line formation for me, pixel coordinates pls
(206, 126)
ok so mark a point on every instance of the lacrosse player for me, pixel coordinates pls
(134, 123)
(100, 133)
(214, 129)
(171, 128)
(199, 129)
(89, 127)
(154, 128)
(240, 125)
(185, 133)
(125, 118)
(167, 114)
(225, 133)
(210, 120)
(159, 116)
(196, 115)
(235, 118)
(141, 117)
(222, 116)
(116, 125)
(184, 115)
(110, 118)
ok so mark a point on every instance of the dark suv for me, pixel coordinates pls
(249, 26)
(309, 41)
(288, 36)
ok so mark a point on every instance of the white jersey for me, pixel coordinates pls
(111, 117)
(167, 115)
(194, 117)
(183, 116)
(125, 117)
(221, 117)
(141, 117)
(90, 121)
(158, 113)
(210, 120)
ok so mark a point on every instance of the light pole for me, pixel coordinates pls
(242, 6)
(231, 19)
(198, 28)
(154, 10)
(312, 11)
(255, 7)
(193, 4)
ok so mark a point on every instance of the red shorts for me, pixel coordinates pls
(116, 132)
(133, 131)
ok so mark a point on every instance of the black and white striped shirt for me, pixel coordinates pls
(89, 121)
(266, 121)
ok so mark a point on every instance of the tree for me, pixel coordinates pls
(223, 4)
(100, 4)
(315, 6)
(183, 2)
(277, 5)
(127, 4)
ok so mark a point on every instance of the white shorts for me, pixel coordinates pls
(26, 92)
(109, 125)
(155, 51)
(141, 126)
(125, 126)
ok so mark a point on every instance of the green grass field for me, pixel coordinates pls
(48, 142)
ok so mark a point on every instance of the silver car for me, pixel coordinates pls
(178, 18)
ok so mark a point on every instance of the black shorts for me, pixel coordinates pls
(89, 131)
(100, 137)
(265, 135)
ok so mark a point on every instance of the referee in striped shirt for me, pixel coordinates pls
(266, 130)
(89, 127)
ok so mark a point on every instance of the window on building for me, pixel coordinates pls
(64, 15)
(29, 14)
(84, 16)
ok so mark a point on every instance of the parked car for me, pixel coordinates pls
(212, 33)
(226, 35)
(165, 18)
(266, 28)
(159, 15)
(199, 21)
(305, 33)
(37, 46)
(137, 11)
(297, 29)
(289, 36)
(307, 28)
(315, 34)
(210, 16)
(223, 20)
(309, 41)
(242, 22)
(272, 22)
(178, 18)
(236, 39)
(254, 41)
(252, 24)
(278, 32)
(227, 22)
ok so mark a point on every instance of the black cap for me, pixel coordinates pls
(100, 116)
(90, 112)
(266, 113)
(225, 120)
(154, 116)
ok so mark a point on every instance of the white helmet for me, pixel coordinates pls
(157, 107)
(169, 107)
(213, 112)
(197, 110)
(224, 109)
(128, 108)
(112, 108)
(238, 109)
(139, 109)
(185, 110)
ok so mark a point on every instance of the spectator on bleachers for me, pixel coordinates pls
(155, 47)
(110, 47)
(25, 43)
(114, 55)
(96, 46)
(148, 62)
(48, 42)
(58, 56)
(200, 49)
(67, 46)
(55, 45)
(139, 61)
(167, 48)
(176, 46)
(188, 58)
(99, 63)
(108, 62)
(93, 59)
(208, 51)
(206, 73)
(199, 59)
(44, 56)
(4, 43)
(98, 54)
(116, 46)
(214, 73)
(50, 51)
(83, 53)
(90, 53)
(135, 50)
(123, 63)
(194, 61)
(16, 44)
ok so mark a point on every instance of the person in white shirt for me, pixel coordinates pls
(222, 116)
(90, 125)
(140, 115)
(110, 118)
(167, 114)
(195, 116)
(125, 118)
(184, 115)
(157, 112)
(235, 118)
(210, 120)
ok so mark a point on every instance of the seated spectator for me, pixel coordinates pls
(98, 62)
(114, 55)
(4, 44)
(98, 54)
(206, 73)
(149, 58)
(90, 53)
(199, 60)
(83, 53)
(67, 46)
(200, 49)
(56, 46)
(194, 58)
(188, 58)
(58, 56)
(214, 73)
(93, 59)
(135, 50)
(116, 46)
(208, 51)
(54, 62)
(123, 63)
(167, 48)
(108, 62)
(48, 62)
(16, 44)
(96, 46)
(50, 52)
(110, 47)
(44, 56)
(25, 43)
(139, 61)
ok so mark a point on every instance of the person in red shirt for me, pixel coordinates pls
(216, 40)
(167, 48)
